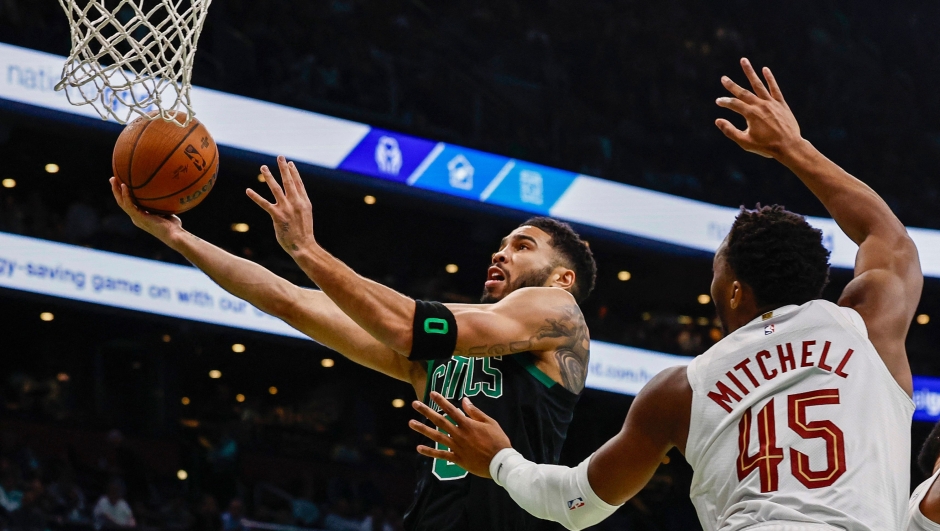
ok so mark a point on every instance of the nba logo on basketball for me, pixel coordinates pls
(768, 329)
(575, 503)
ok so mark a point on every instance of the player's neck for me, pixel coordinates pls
(745, 315)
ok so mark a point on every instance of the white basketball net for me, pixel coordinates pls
(134, 57)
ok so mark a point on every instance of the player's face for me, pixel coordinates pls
(525, 259)
(722, 286)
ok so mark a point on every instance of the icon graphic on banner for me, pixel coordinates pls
(531, 187)
(388, 155)
(461, 173)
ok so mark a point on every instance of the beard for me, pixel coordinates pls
(529, 279)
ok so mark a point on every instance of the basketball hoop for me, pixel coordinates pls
(134, 57)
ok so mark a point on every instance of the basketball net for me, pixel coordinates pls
(133, 58)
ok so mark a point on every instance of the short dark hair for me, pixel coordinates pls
(779, 255)
(573, 250)
(930, 451)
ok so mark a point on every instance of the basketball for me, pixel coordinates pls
(168, 169)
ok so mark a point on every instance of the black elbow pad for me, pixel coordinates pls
(434, 332)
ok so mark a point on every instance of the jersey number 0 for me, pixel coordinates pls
(767, 459)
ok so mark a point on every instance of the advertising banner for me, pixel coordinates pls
(926, 398)
(120, 281)
(29, 77)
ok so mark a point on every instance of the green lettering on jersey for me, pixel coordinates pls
(493, 388)
(463, 376)
(471, 387)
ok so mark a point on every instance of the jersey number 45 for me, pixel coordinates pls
(768, 457)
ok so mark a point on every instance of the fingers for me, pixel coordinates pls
(772, 84)
(759, 89)
(126, 203)
(286, 178)
(730, 130)
(474, 412)
(436, 454)
(272, 184)
(734, 104)
(260, 201)
(298, 182)
(436, 418)
(738, 91)
(446, 406)
(116, 191)
(430, 433)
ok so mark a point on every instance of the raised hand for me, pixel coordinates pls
(771, 126)
(473, 442)
(163, 227)
(291, 211)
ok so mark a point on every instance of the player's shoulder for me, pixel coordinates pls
(542, 295)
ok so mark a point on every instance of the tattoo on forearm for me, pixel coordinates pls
(572, 355)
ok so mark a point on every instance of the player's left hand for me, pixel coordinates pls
(473, 442)
(291, 211)
(771, 127)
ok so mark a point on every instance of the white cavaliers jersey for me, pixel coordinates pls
(916, 521)
(797, 424)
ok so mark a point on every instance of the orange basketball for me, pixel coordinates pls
(168, 169)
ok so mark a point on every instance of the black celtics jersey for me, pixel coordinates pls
(532, 409)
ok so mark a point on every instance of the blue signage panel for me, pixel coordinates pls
(926, 398)
(387, 155)
(530, 187)
(460, 171)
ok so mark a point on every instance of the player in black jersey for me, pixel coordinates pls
(522, 354)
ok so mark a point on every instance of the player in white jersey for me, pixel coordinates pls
(923, 512)
(798, 419)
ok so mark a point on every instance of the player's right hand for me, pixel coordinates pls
(772, 128)
(163, 227)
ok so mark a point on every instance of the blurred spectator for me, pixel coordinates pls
(232, 518)
(10, 496)
(68, 498)
(342, 517)
(112, 510)
(30, 515)
(121, 460)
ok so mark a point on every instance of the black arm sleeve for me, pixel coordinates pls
(435, 332)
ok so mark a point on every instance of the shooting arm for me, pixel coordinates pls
(309, 311)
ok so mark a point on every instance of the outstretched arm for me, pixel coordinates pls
(309, 311)
(534, 319)
(575, 497)
(888, 278)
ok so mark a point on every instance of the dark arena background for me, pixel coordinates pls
(212, 424)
